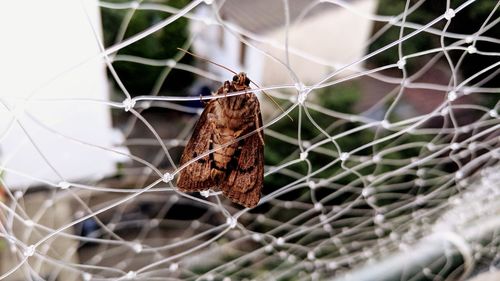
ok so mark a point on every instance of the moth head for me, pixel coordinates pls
(241, 79)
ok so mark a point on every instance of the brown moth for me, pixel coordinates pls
(238, 168)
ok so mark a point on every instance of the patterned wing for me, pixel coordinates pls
(244, 182)
(196, 176)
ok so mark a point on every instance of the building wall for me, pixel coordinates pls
(221, 46)
(335, 37)
(331, 38)
(48, 58)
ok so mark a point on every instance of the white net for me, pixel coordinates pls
(389, 169)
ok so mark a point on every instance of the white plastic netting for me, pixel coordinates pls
(389, 169)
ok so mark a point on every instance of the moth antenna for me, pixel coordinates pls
(234, 72)
(207, 60)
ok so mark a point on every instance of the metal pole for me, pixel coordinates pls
(446, 254)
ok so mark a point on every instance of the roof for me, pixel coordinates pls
(261, 16)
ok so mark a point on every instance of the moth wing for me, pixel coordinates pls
(244, 183)
(196, 176)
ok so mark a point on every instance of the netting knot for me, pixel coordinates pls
(154, 223)
(300, 87)
(29, 223)
(385, 124)
(318, 206)
(205, 193)
(332, 265)
(64, 185)
(131, 275)
(471, 49)
(312, 185)
(280, 241)
(420, 182)
(302, 92)
(134, 5)
(311, 256)
(137, 247)
(367, 191)
(303, 155)
(173, 267)
(29, 251)
(231, 222)
(87, 276)
(171, 63)
(421, 172)
(449, 14)
(379, 218)
(344, 156)
(452, 95)
(301, 98)
(167, 177)
(268, 248)
(128, 104)
(18, 194)
(256, 237)
(455, 146)
(401, 63)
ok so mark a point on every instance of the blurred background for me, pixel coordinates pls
(387, 168)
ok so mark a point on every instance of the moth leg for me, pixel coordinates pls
(204, 103)
(226, 87)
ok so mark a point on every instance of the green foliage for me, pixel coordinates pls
(466, 21)
(413, 45)
(138, 78)
(341, 99)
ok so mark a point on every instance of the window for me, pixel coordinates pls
(243, 50)
(221, 37)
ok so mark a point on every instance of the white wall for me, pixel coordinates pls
(207, 44)
(45, 51)
(336, 36)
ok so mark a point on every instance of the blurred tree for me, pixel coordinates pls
(341, 98)
(139, 79)
(466, 21)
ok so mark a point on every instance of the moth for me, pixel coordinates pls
(235, 168)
